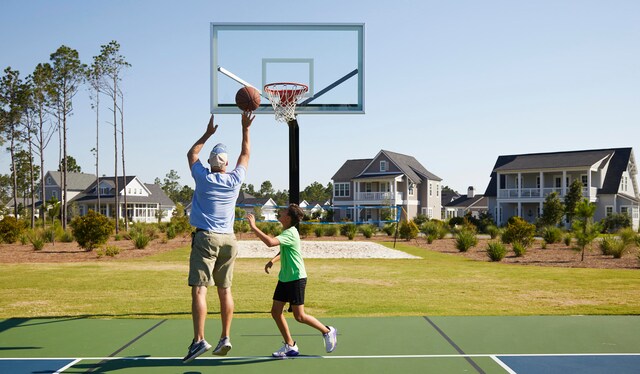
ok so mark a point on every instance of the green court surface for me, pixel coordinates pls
(566, 344)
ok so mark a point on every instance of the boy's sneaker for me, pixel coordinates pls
(287, 351)
(224, 346)
(330, 339)
(195, 350)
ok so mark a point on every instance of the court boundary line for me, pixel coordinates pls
(489, 355)
(62, 369)
(503, 365)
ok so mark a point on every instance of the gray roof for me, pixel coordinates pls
(157, 195)
(413, 169)
(350, 169)
(75, 181)
(555, 160)
(465, 202)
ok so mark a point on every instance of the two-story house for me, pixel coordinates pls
(364, 190)
(76, 183)
(520, 183)
(145, 202)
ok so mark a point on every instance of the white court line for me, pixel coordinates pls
(492, 355)
(503, 365)
(62, 369)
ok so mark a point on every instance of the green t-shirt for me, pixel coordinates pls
(291, 263)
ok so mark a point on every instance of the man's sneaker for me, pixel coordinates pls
(195, 350)
(224, 346)
(330, 339)
(287, 351)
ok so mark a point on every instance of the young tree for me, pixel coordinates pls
(41, 90)
(12, 103)
(72, 165)
(552, 210)
(571, 199)
(266, 189)
(585, 230)
(111, 65)
(94, 78)
(315, 192)
(68, 74)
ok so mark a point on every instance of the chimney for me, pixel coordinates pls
(470, 193)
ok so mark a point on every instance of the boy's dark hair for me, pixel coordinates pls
(296, 214)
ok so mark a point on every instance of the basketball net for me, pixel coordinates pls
(284, 98)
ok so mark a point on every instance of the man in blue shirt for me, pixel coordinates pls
(214, 247)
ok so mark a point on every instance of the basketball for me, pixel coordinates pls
(248, 99)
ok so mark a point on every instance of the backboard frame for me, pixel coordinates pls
(312, 104)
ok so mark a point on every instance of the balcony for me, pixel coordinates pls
(379, 198)
(528, 193)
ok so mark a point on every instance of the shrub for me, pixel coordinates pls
(92, 229)
(518, 230)
(330, 230)
(496, 251)
(240, 227)
(10, 229)
(616, 221)
(349, 230)
(305, 229)
(466, 239)
(420, 219)
(567, 240)
(109, 250)
(37, 241)
(551, 234)
(628, 235)
(170, 231)
(367, 231)
(66, 236)
(318, 230)
(430, 228)
(519, 249)
(141, 240)
(408, 230)
(389, 229)
(493, 231)
(608, 242)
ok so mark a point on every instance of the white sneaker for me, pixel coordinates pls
(287, 351)
(224, 346)
(330, 339)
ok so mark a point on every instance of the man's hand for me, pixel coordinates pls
(211, 128)
(247, 119)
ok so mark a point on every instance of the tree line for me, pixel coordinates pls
(182, 194)
(34, 109)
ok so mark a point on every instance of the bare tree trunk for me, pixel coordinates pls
(15, 174)
(115, 153)
(33, 184)
(124, 174)
(64, 166)
(42, 190)
(97, 148)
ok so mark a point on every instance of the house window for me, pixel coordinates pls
(608, 210)
(558, 182)
(411, 187)
(430, 189)
(48, 180)
(54, 193)
(585, 180)
(537, 182)
(341, 189)
(624, 210)
(623, 183)
(383, 165)
(503, 182)
(367, 187)
(438, 190)
(430, 213)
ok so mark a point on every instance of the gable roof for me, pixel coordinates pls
(467, 202)
(413, 169)
(618, 159)
(75, 181)
(351, 168)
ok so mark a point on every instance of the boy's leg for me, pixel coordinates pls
(277, 312)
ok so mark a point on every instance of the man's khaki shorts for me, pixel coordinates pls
(212, 258)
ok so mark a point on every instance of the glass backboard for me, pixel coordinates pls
(329, 58)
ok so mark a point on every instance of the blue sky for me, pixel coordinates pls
(453, 83)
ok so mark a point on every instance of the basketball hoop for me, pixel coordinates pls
(284, 97)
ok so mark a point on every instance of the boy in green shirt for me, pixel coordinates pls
(292, 281)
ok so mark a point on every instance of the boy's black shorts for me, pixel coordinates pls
(291, 292)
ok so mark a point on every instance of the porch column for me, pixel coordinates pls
(564, 182)
(520, 209)
(541, 185)
(519, 185)
(497, 185)
(589, 184)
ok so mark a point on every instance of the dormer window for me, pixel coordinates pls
(383, 165)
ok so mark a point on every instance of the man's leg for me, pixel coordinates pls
(198, 311)
(226, 310)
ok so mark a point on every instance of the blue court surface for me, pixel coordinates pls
(523, 345)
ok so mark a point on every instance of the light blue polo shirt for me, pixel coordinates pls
(214, 199)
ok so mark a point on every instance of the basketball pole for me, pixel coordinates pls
(294, 161)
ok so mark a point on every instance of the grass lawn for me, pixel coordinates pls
(435, 285)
